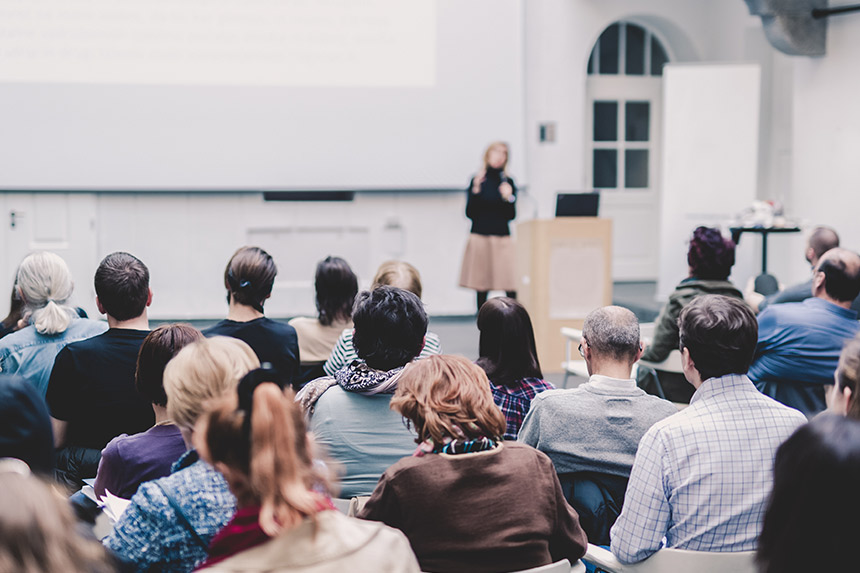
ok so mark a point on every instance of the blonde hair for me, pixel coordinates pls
(202, 371)
(448, 397)
(276, 459)
(38, 532)
(398, 274)
(46, 285)
(486, 163)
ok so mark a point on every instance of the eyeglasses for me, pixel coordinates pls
(581, 351)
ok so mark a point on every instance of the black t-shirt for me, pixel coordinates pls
(92, 388)
(273, 342)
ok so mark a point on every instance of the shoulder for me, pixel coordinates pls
(87, 327)
(559, 397)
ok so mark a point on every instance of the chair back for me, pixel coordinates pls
(675, 561)
(562, 566)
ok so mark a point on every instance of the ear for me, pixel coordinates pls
(100, 307)
(148, 297)
(640, 353)
(810, 255)
(818, 279)
(687, 360)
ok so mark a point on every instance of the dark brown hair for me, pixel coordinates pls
(336, 286)
(390, 324)
(122, 285)
(507, 344)
(249, 276)
(157, 349)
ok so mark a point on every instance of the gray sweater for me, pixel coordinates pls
(595, 427)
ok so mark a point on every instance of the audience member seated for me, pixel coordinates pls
(509, 357)
(91, 391)
(810, 523)
(349, 412)
(336, 286)
(710, 259)
(285, 520)
(799, 343)
(25, 425)
(701, 477)
(467, 500)
(44, 285)
(38, 531)
(14, 320)
(844, 397)
(391, 273)
(591, 432)
(249, 277)
(127, 461)
(170, 521)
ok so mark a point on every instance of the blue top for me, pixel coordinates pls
(150, 536)
(31, 355)
(798, 349)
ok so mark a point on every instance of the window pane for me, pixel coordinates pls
(605, 168)
(591, 63)
(658, 57)
(609, 50)
(636, 168)
(637, 120)
(635, 50)
(606, 121)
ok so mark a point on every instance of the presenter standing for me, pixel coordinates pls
(490, 259)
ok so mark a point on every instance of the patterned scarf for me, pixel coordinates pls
(459, 445)
(360, 378)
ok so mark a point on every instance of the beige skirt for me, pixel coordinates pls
(489, 263)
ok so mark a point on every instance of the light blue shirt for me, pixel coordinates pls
(31, 355)
(363, 434)
(701, 477)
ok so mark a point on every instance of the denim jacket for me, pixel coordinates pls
(31, 355)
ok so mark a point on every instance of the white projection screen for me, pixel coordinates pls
(256, 94)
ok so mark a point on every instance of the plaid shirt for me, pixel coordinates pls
(702, 477)
(515, 401)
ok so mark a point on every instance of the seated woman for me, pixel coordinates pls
(336, 286)
(128, 461)
(170, 521)
(710, 259)
(249, 277)
(398, 274)
(467, 500)
(844, 396)
(810, 522)
(509, 357)
(285, 520)
(45, 286)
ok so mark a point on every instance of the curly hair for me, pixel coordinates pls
(710, 256)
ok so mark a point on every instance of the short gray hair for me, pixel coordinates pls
(612, 331)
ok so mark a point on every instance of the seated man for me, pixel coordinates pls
(349, 411)
(91, 391)
(799, 343)
(597, 426)
(702, 477)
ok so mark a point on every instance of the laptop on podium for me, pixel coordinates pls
(577, 204)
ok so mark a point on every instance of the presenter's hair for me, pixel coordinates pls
(249, 276)
(710, 256)
(720, 333)
(122, 285)
(46, 285)
(390, 324)
(447, 397)
(202, 371)
(398, 274)
(507, 343)
(157, 349)
(486, 159)
(336, 286)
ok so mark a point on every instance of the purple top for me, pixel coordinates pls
(128, 461)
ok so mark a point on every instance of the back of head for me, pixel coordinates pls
(806, 531)
(25, 425)
(390, 324)
(122, 285)
(848, 375)
(157, 349)
(270, 457)
(821, 240)
(612, 333)
(398, 274)
(249, 276)
(202, 371)
(448, 397)
(507, 344)
(841, 269)
(720, 333)
(38, 532)
(46, 286)
(710, 256)
(336, 286)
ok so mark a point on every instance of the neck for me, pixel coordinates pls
(242, 313)
(137, 323)
(617, 370)
(160, 414)
(843, 303)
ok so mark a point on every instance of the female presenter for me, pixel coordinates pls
(489, 261)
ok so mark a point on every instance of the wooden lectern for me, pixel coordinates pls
(565, 272)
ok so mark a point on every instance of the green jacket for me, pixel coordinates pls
(666, 338)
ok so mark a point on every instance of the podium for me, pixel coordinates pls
(565, 272)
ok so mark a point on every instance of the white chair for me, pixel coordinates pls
(350, 507)
(675, 561)
(562, 566)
